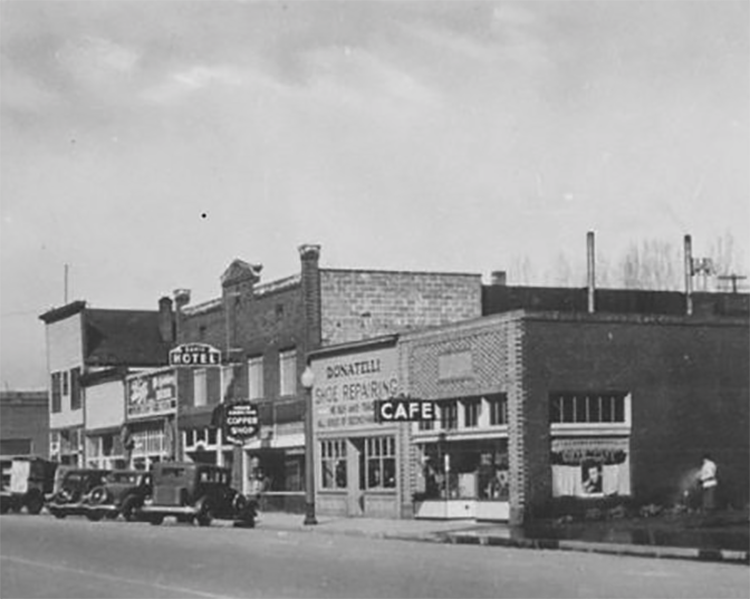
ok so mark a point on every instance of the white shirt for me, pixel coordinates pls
(708, 474)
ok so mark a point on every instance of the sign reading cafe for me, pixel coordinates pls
(347, 387)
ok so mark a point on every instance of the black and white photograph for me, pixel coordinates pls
(374, 298)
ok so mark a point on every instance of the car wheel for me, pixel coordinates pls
(205, 515)
(98, 496)
(156, 520)
(130, 508)
(35, 503)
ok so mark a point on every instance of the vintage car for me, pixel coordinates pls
(71, 495)
(196, 493)
(26, 481)
(122, 492)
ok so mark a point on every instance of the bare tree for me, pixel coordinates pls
(653, 264)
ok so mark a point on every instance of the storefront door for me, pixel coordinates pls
(355, 475)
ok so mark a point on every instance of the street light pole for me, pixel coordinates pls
(308, 379)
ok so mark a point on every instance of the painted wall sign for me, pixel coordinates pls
(151, 394)
(347, 387)
(195, 355)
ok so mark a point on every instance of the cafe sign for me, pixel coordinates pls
(195, 355)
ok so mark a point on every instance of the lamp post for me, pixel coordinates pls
(308, 379)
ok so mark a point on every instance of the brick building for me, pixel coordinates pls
(90, 351)
(543, 410)
(24, 423)
(266, 330)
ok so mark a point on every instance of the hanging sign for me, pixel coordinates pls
(240, 421)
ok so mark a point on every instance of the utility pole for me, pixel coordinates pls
(734, 278)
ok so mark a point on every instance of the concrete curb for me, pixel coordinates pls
(459, 538)
(693, 553)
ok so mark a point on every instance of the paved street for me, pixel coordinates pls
(43, 557)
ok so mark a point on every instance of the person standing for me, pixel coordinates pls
(709, 482)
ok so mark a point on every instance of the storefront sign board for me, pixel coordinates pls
(151, 394)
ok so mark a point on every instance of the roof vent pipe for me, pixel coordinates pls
(591, 275)
(688, 275)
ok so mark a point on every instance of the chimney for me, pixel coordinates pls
(688, 275)
(166, 320)
(590, 272)
(498, 277)
(310, 283)
(181, 299)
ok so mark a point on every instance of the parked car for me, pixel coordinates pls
(71, 496)
(196, 493)
(26, 481)
(122, 492)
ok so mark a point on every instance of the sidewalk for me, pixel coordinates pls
(486, 534)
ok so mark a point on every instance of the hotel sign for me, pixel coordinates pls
(151, 394)
(195, 355)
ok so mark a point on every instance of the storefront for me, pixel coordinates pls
(463, 468)
(360, 464)
(151, 405)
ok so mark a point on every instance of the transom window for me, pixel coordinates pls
(449, 415)
(498, 410)
(471, 412)
(587, 408)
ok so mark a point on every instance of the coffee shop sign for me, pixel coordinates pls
(195, 354)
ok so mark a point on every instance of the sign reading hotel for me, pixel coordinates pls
(347, 388)
(151, 394)
(195, 355)
(241, 421)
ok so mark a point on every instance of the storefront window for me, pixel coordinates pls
(380, 455)
(333, 464)
(591, 467)
(466, 470)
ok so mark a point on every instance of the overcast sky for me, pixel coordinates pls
(148, 144)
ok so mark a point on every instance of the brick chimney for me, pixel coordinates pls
(181, 299)
(166, 320)
(498, 277)
(310, 283)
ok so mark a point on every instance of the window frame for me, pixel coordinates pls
(288, 372)
(255, 388)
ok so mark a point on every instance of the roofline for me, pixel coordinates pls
(342, 348)
(403, 272)
(62, 312)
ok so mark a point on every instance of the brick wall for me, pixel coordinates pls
(364, 304)
(689, 384)
(24, 415)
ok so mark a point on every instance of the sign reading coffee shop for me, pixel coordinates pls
(240, 421)
(151, 394)
(347, 387)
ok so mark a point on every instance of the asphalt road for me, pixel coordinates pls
(44, 557)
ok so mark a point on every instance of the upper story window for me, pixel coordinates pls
(255, 378)
(449, 415)
(471, 412)
(200, 384)
(56, 388)
(75, 388)
(65, 388)
(587, 408)
(288, 372)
